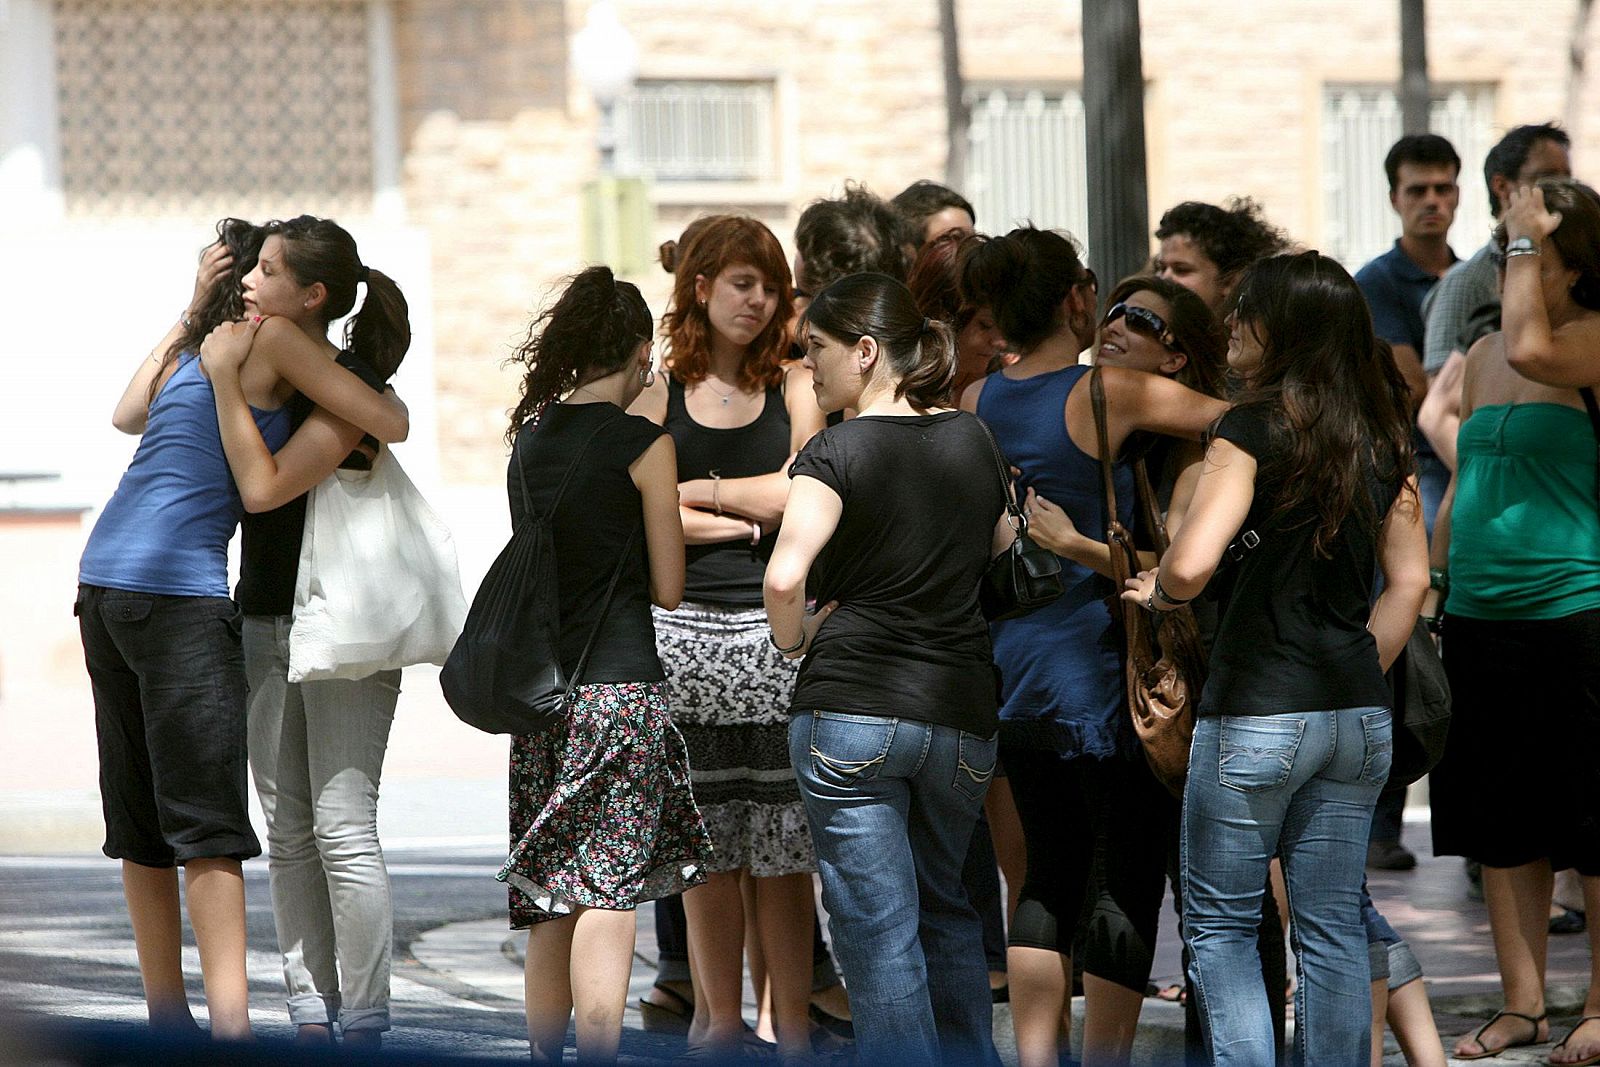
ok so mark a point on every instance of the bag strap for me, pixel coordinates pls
(1019, 520)
(605, 608)
(1594, 420)
(522, 476)
(1108, 484)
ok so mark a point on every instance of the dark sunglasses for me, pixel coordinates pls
(1142, 320)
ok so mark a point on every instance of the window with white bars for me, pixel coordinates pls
(213, 107)
(1360, 123)
(1027, 159)
(698, 131)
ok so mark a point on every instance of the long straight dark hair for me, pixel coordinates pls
(1339, 408)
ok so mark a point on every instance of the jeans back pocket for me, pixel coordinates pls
(975, 760)
(1377, 752)
(849, 748)
(1257, 752)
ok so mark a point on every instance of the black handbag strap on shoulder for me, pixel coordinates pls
(1019, 519)
(1594, 420)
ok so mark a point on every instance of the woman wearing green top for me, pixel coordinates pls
(1518, 788)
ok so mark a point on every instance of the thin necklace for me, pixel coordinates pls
(725, 396)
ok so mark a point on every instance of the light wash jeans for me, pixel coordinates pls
(316, 749)
(1299, 785)
(892, 804)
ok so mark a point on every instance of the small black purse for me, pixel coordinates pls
(1024, 577)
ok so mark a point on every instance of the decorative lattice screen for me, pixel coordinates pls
(212, 107)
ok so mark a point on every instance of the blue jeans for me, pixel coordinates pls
(1302, 786)
(892, 804)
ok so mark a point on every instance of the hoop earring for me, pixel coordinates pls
(647, 376)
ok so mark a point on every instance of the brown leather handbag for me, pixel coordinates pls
(1164, 662)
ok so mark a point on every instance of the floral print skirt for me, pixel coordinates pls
(602, 815)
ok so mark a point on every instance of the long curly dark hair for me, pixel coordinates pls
(225, 302)
(593, 329)
(1338, 408)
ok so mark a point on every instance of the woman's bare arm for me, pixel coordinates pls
(289, 355)
(1563, 357)
(1403, 559)
(655, 474)
(814, 511)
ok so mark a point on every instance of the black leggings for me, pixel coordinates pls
(1097, 833)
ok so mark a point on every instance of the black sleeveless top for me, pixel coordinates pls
(592, 524)
(269, 546)
(728, 572)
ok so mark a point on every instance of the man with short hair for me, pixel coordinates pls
(1466, 302)
(933, 210)
(856, 232)
(1422, 170)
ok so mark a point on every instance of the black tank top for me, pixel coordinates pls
(728, 572)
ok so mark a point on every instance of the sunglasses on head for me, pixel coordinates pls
(1141, 320)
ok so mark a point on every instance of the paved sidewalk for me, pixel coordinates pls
(1429, 906)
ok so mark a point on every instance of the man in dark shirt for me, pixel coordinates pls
(1422, 170)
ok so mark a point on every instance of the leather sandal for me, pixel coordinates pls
(1586, 1062)
(1484, 1051)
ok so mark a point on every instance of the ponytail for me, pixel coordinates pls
(920, 351)
(929, 381)
(1022, 278)
(380, 333)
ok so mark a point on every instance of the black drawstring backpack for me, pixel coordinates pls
(504, 674)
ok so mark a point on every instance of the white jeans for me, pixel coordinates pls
(316, 750)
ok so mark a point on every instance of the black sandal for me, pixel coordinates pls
(673, 1018)
(1589, 1061)
(1485, 1051)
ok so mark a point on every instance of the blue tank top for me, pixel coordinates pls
(1060, 666)
(166, 528)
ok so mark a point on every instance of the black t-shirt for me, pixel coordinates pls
(921, 498)
(1293, 633)
(727, 572)
(592, 524)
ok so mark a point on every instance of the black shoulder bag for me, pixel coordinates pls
(1024, 577)
(504, 674)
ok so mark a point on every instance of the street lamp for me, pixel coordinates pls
(606, 59)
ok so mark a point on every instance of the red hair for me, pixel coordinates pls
(728, 241)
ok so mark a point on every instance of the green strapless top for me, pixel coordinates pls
(1525, 532)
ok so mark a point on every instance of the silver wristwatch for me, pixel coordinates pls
(1522, 246)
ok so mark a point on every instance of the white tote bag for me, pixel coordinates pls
(378, 586)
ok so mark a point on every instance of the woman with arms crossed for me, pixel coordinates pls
(736, 415)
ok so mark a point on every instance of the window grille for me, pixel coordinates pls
(1359, 126)
(720, 131)
(213, 107)
(1027, 159)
